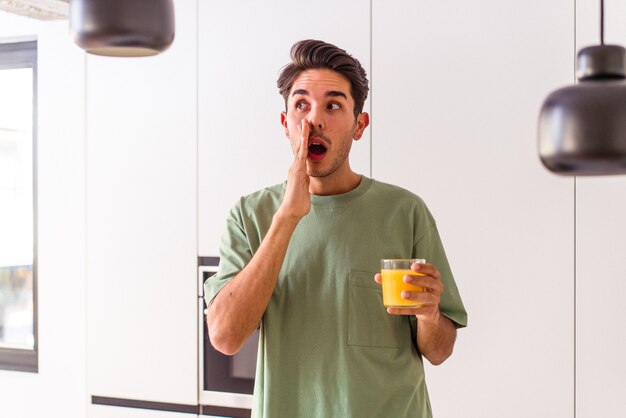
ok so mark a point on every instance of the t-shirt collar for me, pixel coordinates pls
(344, 198)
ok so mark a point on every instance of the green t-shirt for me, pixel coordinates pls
(327, 346)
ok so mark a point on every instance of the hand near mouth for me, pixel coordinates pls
(297, 200)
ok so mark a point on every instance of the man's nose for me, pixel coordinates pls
(316, 118)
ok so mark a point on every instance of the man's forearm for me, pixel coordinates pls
(435, 339)
(237, 309)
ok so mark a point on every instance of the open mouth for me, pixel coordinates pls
(317, 151)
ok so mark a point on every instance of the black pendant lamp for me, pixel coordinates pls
(582, 128)
(122, 28)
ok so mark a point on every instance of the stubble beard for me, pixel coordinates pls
(339, 160)
(335, 164)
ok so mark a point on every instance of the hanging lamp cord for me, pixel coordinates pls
(601, 22)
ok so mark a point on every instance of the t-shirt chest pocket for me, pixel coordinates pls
(369, 324)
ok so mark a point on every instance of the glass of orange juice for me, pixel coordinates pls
(392, 272)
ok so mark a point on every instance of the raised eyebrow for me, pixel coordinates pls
(300, 91)
(334, 93)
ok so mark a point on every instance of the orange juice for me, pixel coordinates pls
(393, 285)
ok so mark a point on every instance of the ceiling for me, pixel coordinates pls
(37, 9)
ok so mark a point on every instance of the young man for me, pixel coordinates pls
(300, 260)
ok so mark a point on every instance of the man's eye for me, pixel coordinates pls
(333, 106)
(301, 105)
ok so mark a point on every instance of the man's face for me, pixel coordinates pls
(322, 98)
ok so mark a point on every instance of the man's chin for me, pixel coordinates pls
(316, 171)
(318, 174)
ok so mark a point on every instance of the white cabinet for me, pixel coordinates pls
(457, 88)
(100, 411)
(600, 290)
(242, 47)
(141, 222)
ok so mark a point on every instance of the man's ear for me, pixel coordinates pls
(362, 121)
(283, 121)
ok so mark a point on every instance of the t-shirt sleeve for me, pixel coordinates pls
(429, 246)
(235, 254)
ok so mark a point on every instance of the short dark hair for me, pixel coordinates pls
(312, 54)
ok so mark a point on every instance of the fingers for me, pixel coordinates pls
(425, 313)
(421, 298)
(426, 298)
(297, 200)
(406, 311)
(425, 302)
(378, 278)
(429, 283)
(303, 150)
(431, 279)
(427, 269)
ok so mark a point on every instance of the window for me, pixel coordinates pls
(18, 226)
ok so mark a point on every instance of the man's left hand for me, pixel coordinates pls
(428, 300)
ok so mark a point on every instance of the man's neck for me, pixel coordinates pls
(334, 185)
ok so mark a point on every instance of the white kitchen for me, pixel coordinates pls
(133, 163)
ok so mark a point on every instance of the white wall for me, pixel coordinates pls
(60, 383)
(600, 269)
(456, 90)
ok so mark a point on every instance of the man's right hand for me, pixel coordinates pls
(297, 200)
(237, 309)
